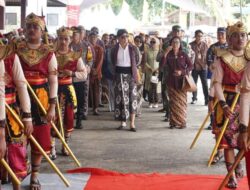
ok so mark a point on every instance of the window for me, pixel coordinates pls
(10, 18)
(52, 19)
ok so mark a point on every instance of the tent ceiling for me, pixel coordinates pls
(88, 3)
(187, 5)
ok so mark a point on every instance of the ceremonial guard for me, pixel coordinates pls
(70, 65)
(15, 84)
(245, 112)
(227, 75)
(2, 105)
(40, 69)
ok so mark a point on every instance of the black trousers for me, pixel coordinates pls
(80, 88)
(203, 76)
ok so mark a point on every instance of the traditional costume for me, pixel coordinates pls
(66, 93)
(227, 75)
(16, 141)
(40, 69)
(245, 105)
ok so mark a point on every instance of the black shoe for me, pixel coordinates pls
(166, 119)
(194, 102)
(84, 117)
(209, 127)
(161, 110)
(120, 127)
(206, 103)
(78, 124)
(96, 113)
(172, 127)
(132, 129)
(101, 105)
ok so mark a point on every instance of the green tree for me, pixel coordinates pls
(116, 6)
(237, 2)
(136, 8)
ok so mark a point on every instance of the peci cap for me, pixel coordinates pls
(93, 33)
(221, 30)
(94, 29)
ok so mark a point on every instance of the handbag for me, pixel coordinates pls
(154, 79)
(189, 84)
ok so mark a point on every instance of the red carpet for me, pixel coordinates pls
(108, 180)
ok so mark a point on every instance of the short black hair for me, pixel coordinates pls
(197, 32)
(120, 32)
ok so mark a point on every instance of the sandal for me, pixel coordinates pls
(217, 158)
(53, 153)
(65, 152)
(232, 183)
(35, 185)
(239, 172)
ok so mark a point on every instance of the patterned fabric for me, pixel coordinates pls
(153, 96)
(125, 96)
(178, 107)
(139, 98)
(14, 131)
(42, 92)
(67, 102)
(229, 139)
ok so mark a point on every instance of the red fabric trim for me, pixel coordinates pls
(42, 135)
(69, 119)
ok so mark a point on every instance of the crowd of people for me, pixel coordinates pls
(78, 69)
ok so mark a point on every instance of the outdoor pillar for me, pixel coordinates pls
(23, 12)
(2, 17)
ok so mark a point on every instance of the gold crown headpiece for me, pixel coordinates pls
(34, 19)
(64, 31)
(237, 27)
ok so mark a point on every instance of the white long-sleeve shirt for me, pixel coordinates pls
(2, 91)
(123, 57)
(81, 71)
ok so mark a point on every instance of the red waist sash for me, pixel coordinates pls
(10, 98)
(65, 81)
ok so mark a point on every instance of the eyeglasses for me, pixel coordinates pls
(152, 42)
(138, 41)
